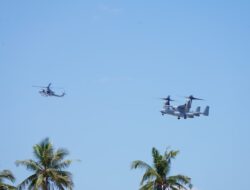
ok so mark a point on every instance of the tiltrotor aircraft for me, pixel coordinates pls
(183, 110)
(46, 91)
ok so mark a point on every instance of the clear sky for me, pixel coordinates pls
(114, 59)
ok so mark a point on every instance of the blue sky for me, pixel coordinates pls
(114, 59)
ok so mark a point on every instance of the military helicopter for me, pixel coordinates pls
(46, 91)
(183, 110)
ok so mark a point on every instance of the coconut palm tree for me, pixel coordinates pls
(6, 174)
(157, 177)
(48, 168)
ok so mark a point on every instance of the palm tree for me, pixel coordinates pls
(6, 174)
(156, 176)
(48, 168)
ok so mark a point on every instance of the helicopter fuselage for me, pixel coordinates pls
(178, 114)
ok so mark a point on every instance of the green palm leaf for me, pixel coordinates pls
(149, 175)
(29, 164)
(156, 176)
(148, 186)
(30, 180)
(6, 175)
(139, 164)
(48, 168)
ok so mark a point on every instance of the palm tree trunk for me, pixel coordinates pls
(46, 186)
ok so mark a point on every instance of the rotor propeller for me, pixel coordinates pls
(167, 99)
(191, 97)
(49, 86)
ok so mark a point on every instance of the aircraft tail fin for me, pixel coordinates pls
(197, 111)
(206, 111)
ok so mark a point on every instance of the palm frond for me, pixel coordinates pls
(148, 186)
(60, 154)
(58, 186)
(7, 187)
(170, 155)
(175, 188)
(61, 178)
(37, 152)
(27, 181)
(178, 186)
(140, 164)
(62, 165)
(29, 164)
(7, 174)
(156, 156)
(180, 179)
(32, 184)
(150, 175)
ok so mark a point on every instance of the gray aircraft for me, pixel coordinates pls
(46, 91)
(183, 111)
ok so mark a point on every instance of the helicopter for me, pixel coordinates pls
(183, 110)
(46, 91)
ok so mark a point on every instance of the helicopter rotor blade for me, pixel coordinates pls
(167, 99)
(191, 97)
(198, 99)
(51, 87)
